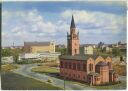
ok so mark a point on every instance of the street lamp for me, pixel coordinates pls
(64, 82)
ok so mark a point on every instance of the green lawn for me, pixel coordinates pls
(120, 86)
(13, 81)
(8, 67)
(45, 69)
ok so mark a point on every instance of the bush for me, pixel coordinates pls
(110, 83)
(51, 64)
(28, 61)
(120, 69)
(6, 52)
(9, 67)
(49, 80)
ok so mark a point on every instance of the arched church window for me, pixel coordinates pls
(61, 64)
(109, 65)
(84, 67)
(75, 50)
(78, 66)
(69, 65)
(90, 67)
(74, 66)
(65, 64)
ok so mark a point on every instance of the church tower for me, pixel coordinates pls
(73, 39)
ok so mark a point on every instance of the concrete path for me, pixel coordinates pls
(26, 71)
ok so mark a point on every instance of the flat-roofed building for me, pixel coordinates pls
(6, 60)
(37, 47)
(50, 56)
(87, 49)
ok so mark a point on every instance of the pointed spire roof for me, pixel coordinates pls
(72, 23)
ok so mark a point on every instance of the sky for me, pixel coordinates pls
(50, 21)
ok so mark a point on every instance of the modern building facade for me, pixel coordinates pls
(87, 50)
(40, 56)
(93, 69)
(37, 47)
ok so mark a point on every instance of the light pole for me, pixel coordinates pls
(64, 83)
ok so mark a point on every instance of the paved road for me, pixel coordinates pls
(122, 78)
(26, 71)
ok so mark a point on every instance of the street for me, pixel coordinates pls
(26, 71)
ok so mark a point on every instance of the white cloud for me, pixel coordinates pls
(32, 26)
(16, 29)
(105, 21)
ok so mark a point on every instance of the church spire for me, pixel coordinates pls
(72, 23)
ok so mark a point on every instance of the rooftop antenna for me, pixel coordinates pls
(13, 44)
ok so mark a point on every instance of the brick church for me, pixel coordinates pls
(93, 69)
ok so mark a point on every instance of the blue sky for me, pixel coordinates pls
(49, 21)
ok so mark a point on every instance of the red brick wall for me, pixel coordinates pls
(103, 70)
(99, 59)
(109, 62)
(115, 77)
(82, 70)
(97, 80)
(110, 77)
(73, 42)
(90, 61)
(75, 46)
(78, 74)
(104, 73)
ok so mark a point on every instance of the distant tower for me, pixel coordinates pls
(13, 45)
(73, 39)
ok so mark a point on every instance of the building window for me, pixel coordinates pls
(65, 73)
(84, 67)
(74, 66)
(75, 51)
(90, 67)
(86, 51)
(98, 79)
(109, 65)
(69, 65)
(95, 79)
(78, 76)
(65, 64)
(78, 66)
(74, 75)
(61, 64)
(69, 74)
(84, 77)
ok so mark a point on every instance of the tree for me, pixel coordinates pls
(62, 50)
(116, 52)
(12, 52)
(6, 52)
(120, 69)
(15, 53)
